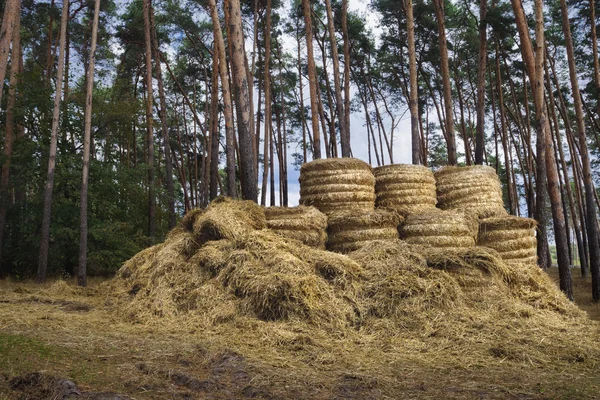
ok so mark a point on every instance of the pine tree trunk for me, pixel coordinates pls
(344, 131)
(480, 129)
(312, 80)
(11, 8)
(445, 71)
(227, 105)
(214, 127)
(83, 200)
(268, 150)
(149, 123)
(242, 92)
(45, 234)
(347, 62)
(10, 124)
(164, 126)
(591, 215)
(413, 103)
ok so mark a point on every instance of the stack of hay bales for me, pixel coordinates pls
(475, 189)
(512, 237)
(350, 230)
(306, 224)
(337, 184)
(448, 230)
(404, 188)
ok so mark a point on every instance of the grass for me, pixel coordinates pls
(72, 334)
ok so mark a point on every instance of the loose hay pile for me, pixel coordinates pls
(337, 184)
(476, 189)
(512, 237)
(263, 294)
(351, 230)
(306, 224)
(438, 229)
(404, 188)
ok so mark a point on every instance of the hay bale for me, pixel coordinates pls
(476, 189)
(337, 184)
(512, 237)
(404, 188)
(351, 230)
(225, 218)
(305, 224)
(438, 229)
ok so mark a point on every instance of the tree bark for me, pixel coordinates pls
(268, 150)
(83, 200)
(10, 124)
(347, 62)
(45, 234)
(344, 131)
(12, 7)
(480, 129)
(164, 126)
(591, 215)
(445, 71)
(149, 123)
(312, 79)
(242, 91)
(413, 102)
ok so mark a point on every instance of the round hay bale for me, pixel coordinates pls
(306, 224)
(405, 188)
(337, 184)
(475, 189)
(438, 229)
(512, 237)
(351, 230)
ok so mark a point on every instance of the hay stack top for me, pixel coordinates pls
(327, 164)
(346, 220)
(475, 188)
(505, 223)
(403, 173)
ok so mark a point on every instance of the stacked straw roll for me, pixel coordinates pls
(350, 230)
(404, 188)
(306, 224)
(475, 189)
(337, 184)
(512, 237)
(438, 229)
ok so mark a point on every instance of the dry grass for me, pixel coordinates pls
(476, 189)
(306, 224)
(337, 184)
(260, 316)
(406, 189)
(351, 230)
(512, 237)
(438, 229)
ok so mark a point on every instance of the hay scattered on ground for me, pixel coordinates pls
(351, 230)
(306, 224)
(404, 188)
(337, 184)
(475, 188)
(438, 229)
(512, 237)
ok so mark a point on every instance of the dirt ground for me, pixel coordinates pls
(582, 292)
(72, 347)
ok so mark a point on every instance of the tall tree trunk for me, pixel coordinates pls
(346, 67)
(413, 103)
(312, 79)
(591, 215)
(227, 105)
(480, 130)
(560, 238)
(45, 234)
(83, 200)
(214, 126)
(267, 152)
(10, 124)
(164, 126)
(344, 131)
(149, 123)
(242, 91)
(11, 8)
(445, 71)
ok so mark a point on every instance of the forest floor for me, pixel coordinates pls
(70, 346)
